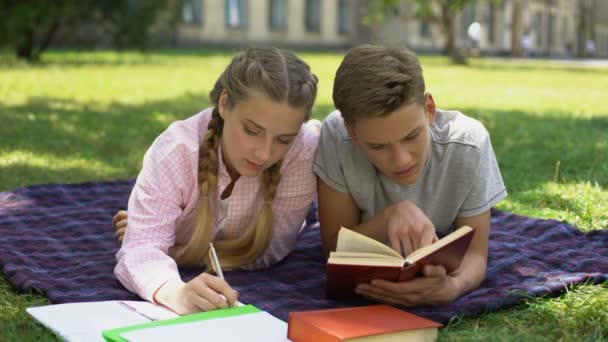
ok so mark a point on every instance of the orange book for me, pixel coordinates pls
(359, 259)
(375, 323)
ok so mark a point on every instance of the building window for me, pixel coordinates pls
(192, 12)
(344, 16)
(236, 13)
(425, 29)
(313, 15)
(278, 14)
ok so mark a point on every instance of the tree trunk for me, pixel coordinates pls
(447, 27)
(361, 33)
(48, 37)
(516, 29)
(25, 47)
(458, 56)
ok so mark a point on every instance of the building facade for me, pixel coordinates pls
(311, 23)
(554, 28)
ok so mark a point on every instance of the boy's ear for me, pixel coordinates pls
(351, 132)
(429, 107)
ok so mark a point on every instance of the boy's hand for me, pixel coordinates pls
(119, 221)
(408, 228)
(435, 288)
(203, 293)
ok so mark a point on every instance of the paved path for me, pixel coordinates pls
(580, 62)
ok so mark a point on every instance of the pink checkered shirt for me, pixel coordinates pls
(162, 206)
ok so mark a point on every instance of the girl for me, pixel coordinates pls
(238, 174)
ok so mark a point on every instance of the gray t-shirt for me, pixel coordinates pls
(460, 178)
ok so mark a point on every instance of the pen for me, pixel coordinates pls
(215, 262)
(217, 267)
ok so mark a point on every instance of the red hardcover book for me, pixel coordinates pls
(360, 259)
(365, 323)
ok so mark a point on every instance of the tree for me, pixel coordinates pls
(516, 28)
(441, 13)
(29, 26)
(129, 21)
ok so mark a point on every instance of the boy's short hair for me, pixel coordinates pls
(375, 80)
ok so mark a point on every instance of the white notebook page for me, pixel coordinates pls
(252, 327)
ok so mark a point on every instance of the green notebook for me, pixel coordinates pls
(189, 323)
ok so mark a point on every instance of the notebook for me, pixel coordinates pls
(86, 321)
(244, 323)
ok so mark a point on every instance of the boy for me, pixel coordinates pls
(397, 169)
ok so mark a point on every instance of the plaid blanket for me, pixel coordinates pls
(58, 240)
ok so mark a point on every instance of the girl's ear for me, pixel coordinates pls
(223, 104)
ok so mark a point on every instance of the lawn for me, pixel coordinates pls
(81, 116)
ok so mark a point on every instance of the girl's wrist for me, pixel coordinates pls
(169, 294)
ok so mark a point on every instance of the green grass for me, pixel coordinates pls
(81, 116)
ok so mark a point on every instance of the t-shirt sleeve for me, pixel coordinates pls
(488, 188)
(328, 164)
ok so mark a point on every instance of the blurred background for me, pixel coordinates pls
(519, 28)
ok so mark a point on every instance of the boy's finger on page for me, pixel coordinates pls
(408, 245)
(396, 244)
(426, 238)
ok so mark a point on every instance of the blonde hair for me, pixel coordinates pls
(283, 77)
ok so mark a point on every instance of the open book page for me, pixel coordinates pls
(86, 321)
(351, 241)
(426, 250)
(252, 327)
(370, 259)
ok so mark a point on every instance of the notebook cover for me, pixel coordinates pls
(114, 335)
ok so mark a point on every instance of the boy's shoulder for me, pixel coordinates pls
(334, 125)
(452, 126)
(304, 146)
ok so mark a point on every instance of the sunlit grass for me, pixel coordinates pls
(82, 116)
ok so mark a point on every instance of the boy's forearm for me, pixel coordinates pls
(374, 227)
(471, 273)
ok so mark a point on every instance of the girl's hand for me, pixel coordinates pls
(203, 293)
(120, 224)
